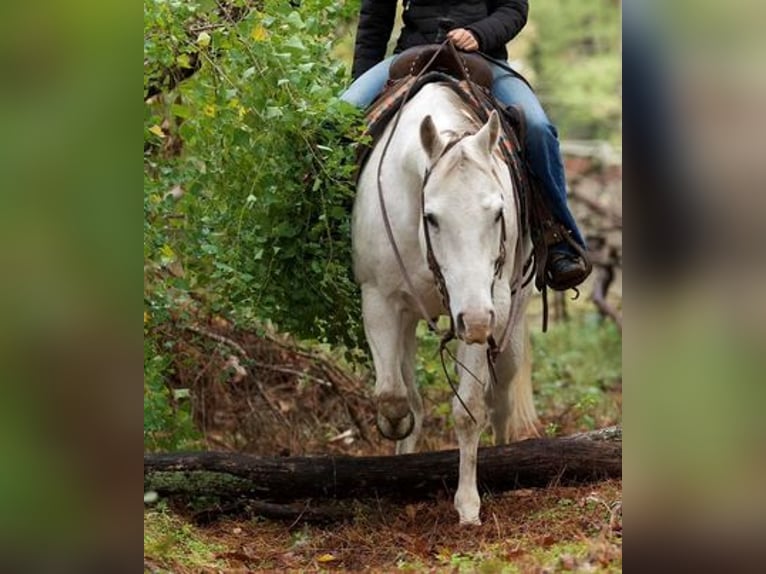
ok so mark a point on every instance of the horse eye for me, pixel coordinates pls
(431, 219)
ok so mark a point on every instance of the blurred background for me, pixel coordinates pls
(692, 88)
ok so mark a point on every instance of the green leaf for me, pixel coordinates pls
(294, 42)
(183, 61)
(180, 111)
(295, 20)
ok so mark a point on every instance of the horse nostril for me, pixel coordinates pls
(491, 318)
(460, 323)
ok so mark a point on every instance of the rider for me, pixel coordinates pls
(476, 25)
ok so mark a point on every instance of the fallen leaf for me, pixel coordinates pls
(184, 61)
(176, 268)
(239, 372)
(176, 193)
(234, 556)
(203, 40)
(443, 553)
(259, 33)
(547, 541)
(157, 130)
(523, 492)
(567, 562)
(326, 558)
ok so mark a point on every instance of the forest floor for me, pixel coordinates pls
(318, 409)
(532, 530)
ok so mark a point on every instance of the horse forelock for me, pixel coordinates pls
(465, 167)
(458, 125)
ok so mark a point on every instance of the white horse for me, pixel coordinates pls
(465, 200)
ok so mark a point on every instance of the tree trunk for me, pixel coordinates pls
(535, 462)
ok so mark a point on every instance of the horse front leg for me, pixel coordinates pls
(469, 428)
(383, 326)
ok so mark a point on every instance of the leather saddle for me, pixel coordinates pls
(457, 64)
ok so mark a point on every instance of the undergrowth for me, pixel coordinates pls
(577, 373)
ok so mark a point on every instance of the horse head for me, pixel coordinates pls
(463, 224)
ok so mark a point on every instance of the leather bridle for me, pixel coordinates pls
(433, 263)
(493, 348)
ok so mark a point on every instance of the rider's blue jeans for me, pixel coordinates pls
(541, 142)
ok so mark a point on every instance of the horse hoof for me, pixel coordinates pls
(470, 522)
(396, 429)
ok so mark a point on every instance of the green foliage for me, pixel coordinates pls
(174, 541)
(428, 367)
(167, 418)
(263, 227)
(576, 57)
(167, 42)
(575, 364)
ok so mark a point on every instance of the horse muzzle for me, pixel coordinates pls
(475, 325)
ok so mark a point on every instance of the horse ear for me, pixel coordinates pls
(489, 134)
(429, 137)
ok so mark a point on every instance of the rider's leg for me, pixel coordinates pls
(366, 87)
(544, 158)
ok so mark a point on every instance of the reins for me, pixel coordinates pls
(382, 201)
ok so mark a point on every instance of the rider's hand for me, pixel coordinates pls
(463, 39)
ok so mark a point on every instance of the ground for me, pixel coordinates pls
(533, 530)
(577, 376)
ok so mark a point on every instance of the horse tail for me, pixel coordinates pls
(524, 421)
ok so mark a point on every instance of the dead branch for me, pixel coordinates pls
(221, 339)
(241, 351)
(605, 259)
(603, 277)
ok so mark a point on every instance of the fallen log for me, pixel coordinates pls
(529, 463)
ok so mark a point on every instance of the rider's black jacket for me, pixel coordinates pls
(493, 22)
